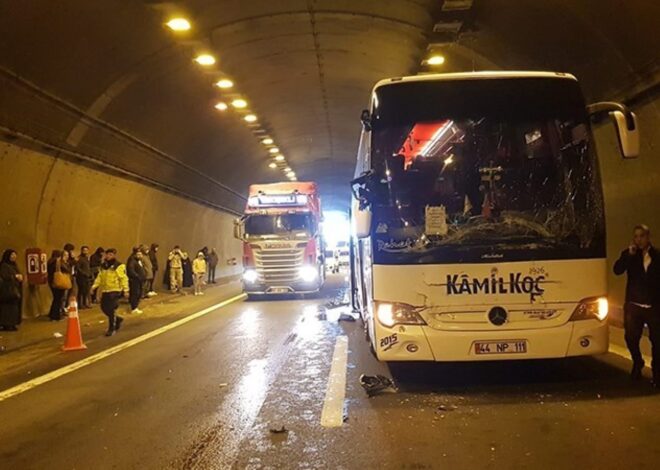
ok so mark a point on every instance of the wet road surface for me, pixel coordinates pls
(210, 393)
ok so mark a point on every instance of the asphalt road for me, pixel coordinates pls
(208, 393)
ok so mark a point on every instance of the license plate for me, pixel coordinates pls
(514, 346)
(279, 290)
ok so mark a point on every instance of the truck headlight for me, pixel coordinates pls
(308, 274)
(390, 314)
(250, 276)
(588, 309)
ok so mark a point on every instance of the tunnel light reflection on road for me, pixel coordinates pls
(248, 322)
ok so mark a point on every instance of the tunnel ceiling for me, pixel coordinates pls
(106, 81)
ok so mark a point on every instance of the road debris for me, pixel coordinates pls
(57, 334)
(346, 317)
(376, 384)
(281, 430)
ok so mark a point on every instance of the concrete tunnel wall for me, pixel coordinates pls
(46, 202)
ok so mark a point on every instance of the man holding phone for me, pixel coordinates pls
(641, 262)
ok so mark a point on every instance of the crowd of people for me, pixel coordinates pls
(102, 278)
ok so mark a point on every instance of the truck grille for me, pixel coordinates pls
(278, 266)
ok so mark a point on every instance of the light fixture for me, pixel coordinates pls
(267, 141)
(291, 174)
(279, 158)
(272, 165)
(287, 169)
(221, 106)
(250, 118)
(178, 24)
(205, 59)
(224, 83)
(274, 150)
(239, 103)
(436, 60)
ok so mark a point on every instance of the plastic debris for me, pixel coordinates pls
(57, 334)
(222, 385)
(447, 407)
(346, 317)
(376, 384)
(281, 430)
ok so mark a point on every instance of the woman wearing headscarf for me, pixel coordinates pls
(58, 262)
(11, 283)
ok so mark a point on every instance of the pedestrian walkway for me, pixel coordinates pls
(36, 347)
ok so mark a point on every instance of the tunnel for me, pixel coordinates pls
(135, 122)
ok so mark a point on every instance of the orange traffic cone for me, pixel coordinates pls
(73, 341)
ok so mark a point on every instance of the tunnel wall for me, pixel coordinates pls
(631, 188)
(46, 202)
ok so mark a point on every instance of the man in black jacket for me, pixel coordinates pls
(136, 277)
(641, 262)
(84, 278)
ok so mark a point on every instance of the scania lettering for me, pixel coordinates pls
(282, 242)
(478, 226)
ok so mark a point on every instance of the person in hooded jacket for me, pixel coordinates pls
(153, 252)
(136, 279)
(199, 271)
(11, 292)
(84, 278)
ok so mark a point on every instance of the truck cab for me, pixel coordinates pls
(283, 249)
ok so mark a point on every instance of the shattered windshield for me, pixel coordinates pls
(280, 224)
(507, 174)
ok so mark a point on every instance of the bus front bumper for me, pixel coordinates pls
(422, 343)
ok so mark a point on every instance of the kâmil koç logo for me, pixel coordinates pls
(515, 283)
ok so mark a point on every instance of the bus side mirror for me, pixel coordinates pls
(361, 220)
(627, 132)
(239, 229)
(625, 123)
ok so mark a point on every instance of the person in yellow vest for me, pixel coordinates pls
(113, 282)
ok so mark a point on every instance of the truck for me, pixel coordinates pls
(478, 217)
(283, 248)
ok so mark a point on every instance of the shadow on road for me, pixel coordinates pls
(551, 380)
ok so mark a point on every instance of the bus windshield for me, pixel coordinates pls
(484, 170)
(280, 224)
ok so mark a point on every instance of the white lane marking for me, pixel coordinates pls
(332, 415)
(623, 352)
(24, 387)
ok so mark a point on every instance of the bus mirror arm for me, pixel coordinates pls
(625, 123)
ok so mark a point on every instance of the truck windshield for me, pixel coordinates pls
(280, 224)
(483, 170)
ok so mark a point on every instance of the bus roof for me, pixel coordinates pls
(483, 75)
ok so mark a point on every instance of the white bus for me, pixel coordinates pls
(478, 219)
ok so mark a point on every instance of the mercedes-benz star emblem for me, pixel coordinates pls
(497, 316)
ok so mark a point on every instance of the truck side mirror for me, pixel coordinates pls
(625, 123)
(627, 132)
(239, 229)
(361, 220)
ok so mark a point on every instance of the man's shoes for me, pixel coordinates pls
(110, 332)
(136, 311)
(118, 322)
(151, 294)
(636, 372)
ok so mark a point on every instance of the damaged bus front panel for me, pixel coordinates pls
(486, 225)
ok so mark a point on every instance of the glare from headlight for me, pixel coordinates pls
(390, 314)
(250, 276)
(603, 308)
(308, 273)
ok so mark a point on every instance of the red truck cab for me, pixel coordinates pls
(282, 241)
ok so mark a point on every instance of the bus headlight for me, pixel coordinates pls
(390, 314)
(588, 309)
(308, 274)
(250, 276)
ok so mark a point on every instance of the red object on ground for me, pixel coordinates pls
(73, 340)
